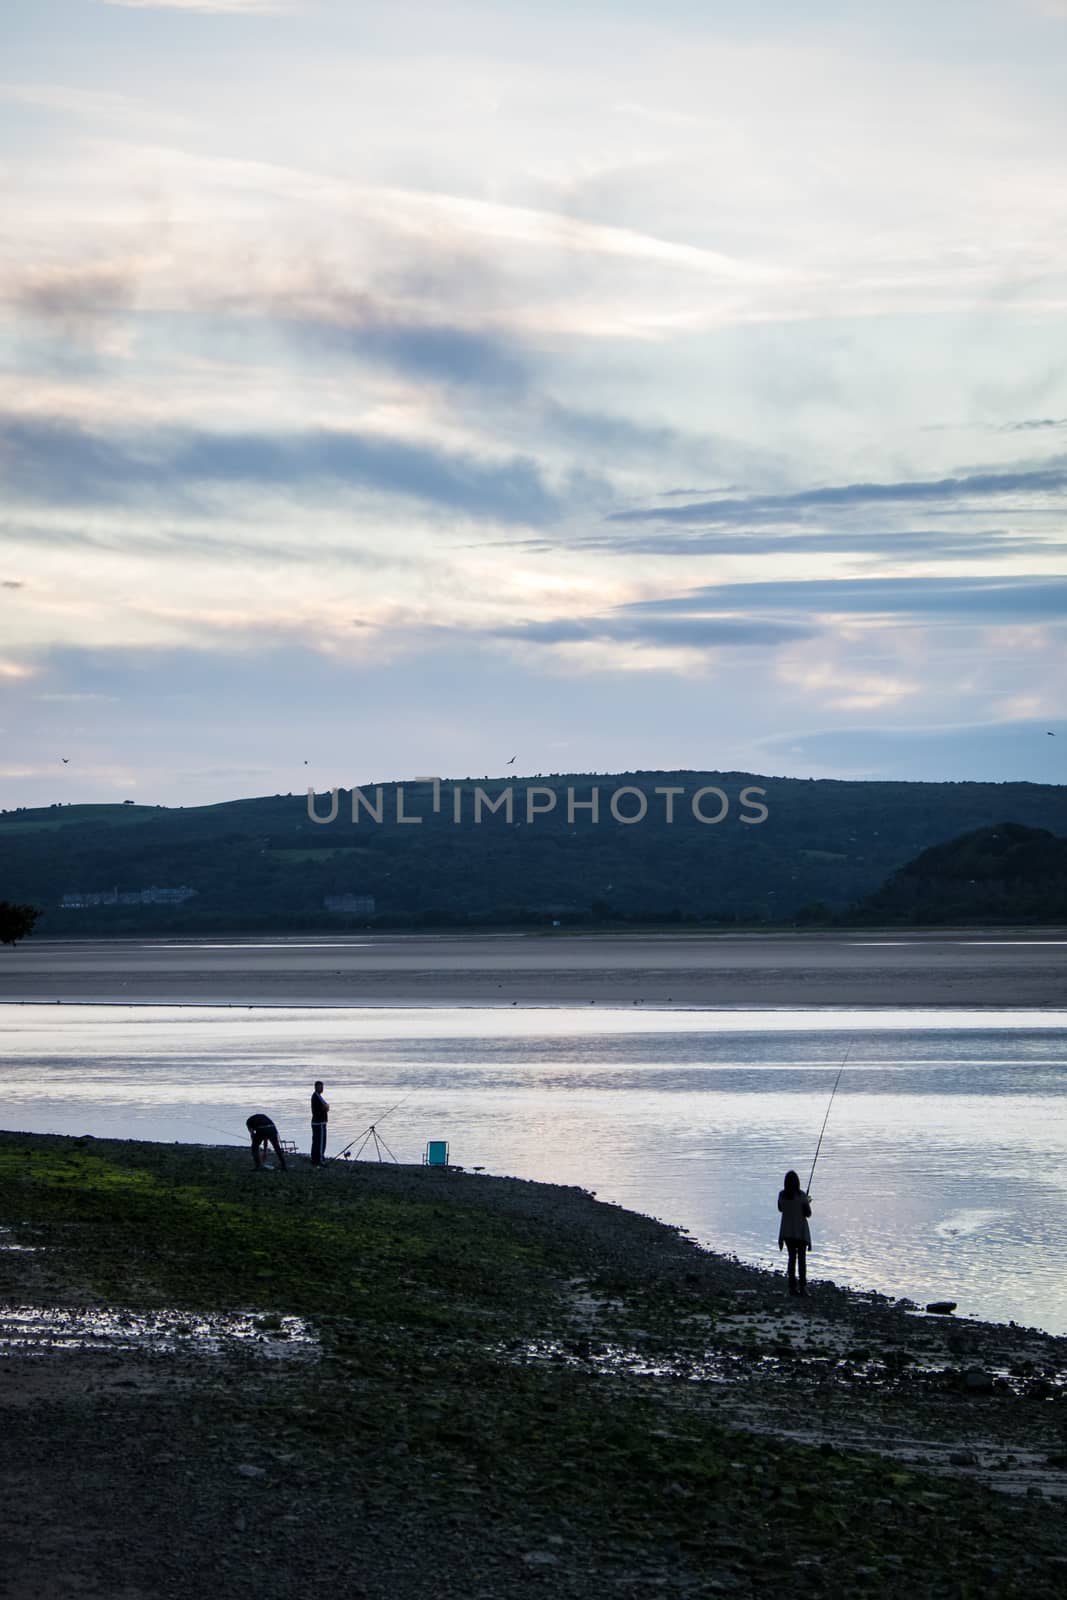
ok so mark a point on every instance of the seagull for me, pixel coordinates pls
(65, 760)
(1050, 733)
(511, 761)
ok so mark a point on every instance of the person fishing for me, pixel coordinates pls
(263, 1133)
(794, 1203)
(794, 1232)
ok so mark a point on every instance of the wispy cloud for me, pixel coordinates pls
(870, 544)
(96, 105)
(74, 294)
(690, 633)
(56, 462)
(354, 326)
(1006, 599)
(229, 7)
(1051, 478)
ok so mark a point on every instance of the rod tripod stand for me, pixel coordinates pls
(368, 1136)
(371, 1133)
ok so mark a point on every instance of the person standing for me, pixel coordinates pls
(793, 1231)
(320, 1115)
(263, 1133)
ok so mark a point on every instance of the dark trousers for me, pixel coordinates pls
(261, 1137)
(798, 1264)
(318, 1142)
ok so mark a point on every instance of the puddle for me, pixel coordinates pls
(9, 1243)
(860, 1370)
(615, 1358)
(32, 1329)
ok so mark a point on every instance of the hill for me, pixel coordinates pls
(264, 864)
(1007, 873)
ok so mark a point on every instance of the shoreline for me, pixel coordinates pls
(441, 1369)
(956, 1013)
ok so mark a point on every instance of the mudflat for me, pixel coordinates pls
(991, 968)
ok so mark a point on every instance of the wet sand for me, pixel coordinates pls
(991, 968)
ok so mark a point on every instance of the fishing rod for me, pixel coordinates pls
(199, 1122)
(371, 1132)
(826, 1119)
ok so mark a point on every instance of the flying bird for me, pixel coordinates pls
(511, 760)
(65, 760)
(1050, 733)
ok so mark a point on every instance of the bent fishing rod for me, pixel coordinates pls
(826, 1119)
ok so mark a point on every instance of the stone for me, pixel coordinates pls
(540, 1558)
(248, 1471)
(941, 1308)
(978, 1381)
(963, 1458)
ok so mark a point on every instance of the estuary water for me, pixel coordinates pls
(943, 1172)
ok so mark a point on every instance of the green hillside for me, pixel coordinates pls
(263, 864)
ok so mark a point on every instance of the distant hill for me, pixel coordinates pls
(262, 864)
(1006, 873)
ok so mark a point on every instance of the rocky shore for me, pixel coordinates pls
(407, 1380)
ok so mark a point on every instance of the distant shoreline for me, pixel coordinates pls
(1057, 1015)
(988, 969)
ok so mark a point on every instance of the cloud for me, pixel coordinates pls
(700, 633)
(1048, 479)
(182, 542)
(1000, 599)
(359, 327)
(1034, 424)
(77, 698)
(903, 544)
(222, 7)
(53, 461)
(95, 104)
(73, 295)
(12, 583)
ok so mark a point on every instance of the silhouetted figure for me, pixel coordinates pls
(793, 1232)
(320, 1114)
(263, 1133)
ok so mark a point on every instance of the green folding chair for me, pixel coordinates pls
(436, 1153)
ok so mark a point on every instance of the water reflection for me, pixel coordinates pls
(33, 1330)
(942, 1174)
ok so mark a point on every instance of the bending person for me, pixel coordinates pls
(263, 1133)
(793, 1231)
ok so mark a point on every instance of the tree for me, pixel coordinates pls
(16, 922)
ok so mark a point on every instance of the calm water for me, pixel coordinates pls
(943, 1172)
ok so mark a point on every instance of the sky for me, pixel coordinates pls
(399, 388)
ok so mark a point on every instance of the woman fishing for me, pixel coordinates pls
(793, 1231)
(795, 1205)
